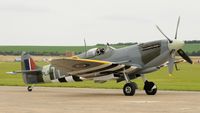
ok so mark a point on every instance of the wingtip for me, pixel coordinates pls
(11, 73)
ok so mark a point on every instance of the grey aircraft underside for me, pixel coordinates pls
(108, 63)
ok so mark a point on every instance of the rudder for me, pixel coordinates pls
(27, 62)
(32, 73)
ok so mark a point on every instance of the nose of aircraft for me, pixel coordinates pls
(176, 44)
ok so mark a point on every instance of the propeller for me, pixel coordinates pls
(177, 26)
(170, 41)
(184, 56)
(175, 48)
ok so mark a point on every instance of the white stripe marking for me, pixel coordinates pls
(115, 68)
(55, 80)
(69, 79)
(98, 73)
(29, 61)
(90, 69)
(131, 69)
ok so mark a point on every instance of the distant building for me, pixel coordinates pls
(18, 59)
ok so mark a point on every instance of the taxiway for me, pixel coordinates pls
(84, 100)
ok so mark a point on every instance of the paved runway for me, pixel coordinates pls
(76, 100)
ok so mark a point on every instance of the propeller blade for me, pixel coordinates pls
(164, 34)
(184, 56)
(176, 34)
(171, 65)
(171, 61)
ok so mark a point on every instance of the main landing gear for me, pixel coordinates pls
(130, 87)
(149, 87)
(30, 88)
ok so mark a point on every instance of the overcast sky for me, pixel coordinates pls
(68, 22)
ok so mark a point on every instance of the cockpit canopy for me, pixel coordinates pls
(91, 53)
(95, 52)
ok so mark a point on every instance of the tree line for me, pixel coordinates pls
(193, 42)
(55, 53)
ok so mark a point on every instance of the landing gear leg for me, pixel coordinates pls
(30, 88)
(149, 87)
(129, 87)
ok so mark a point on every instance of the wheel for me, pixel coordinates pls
(150, 88)
(29, 88)
(129, 89)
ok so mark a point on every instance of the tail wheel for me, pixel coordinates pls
(129, 89)
(150, 88)
(29, 88)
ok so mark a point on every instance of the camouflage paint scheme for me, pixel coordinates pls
(146, 57)
(103, 64)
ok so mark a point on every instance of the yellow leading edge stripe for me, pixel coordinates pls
(89, 60)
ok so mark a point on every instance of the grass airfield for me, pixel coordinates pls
(187, 79)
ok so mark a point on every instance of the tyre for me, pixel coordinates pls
(129, 89)
(150, 88)
(29, 88)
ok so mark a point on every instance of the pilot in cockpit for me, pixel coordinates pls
(100, 51)
(96, 52)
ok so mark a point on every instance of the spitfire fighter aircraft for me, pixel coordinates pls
(103, 64)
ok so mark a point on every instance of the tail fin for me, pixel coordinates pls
(31, 72)
(27, 62)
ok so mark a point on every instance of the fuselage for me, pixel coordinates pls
(144, 55)
(144, 58)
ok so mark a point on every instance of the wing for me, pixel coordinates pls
(87, 68)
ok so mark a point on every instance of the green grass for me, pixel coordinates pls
(188, 78)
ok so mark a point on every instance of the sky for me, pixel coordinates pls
(68, 22)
